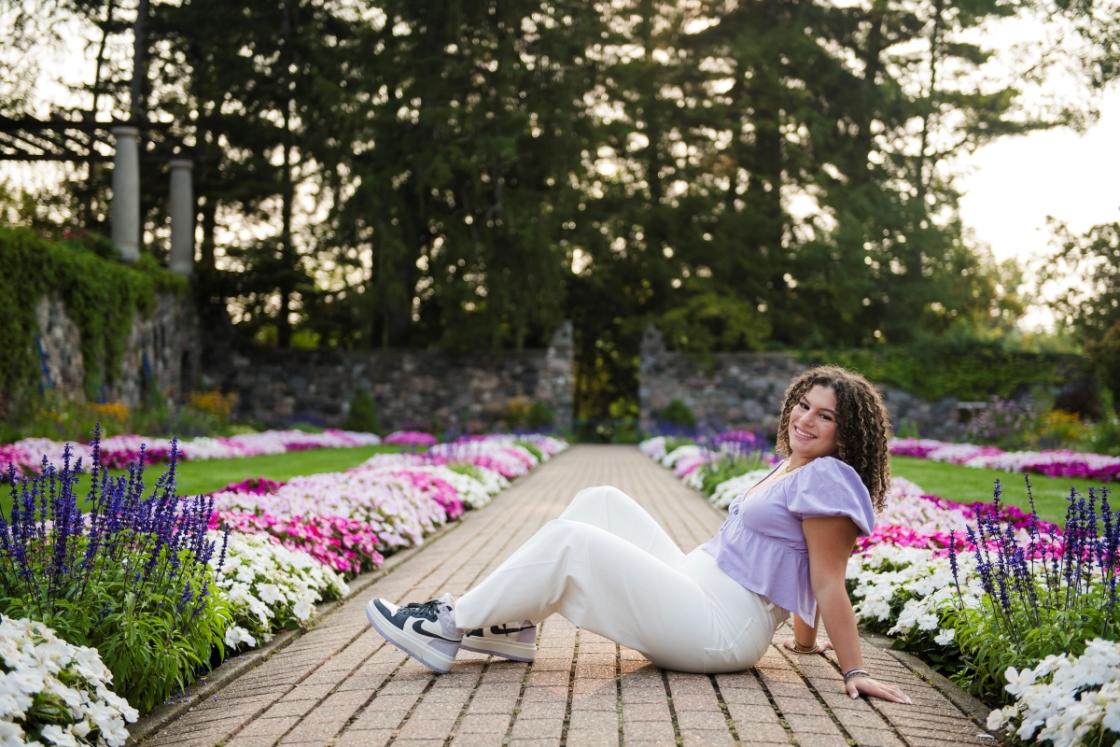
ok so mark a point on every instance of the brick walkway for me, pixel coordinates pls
(339, 684)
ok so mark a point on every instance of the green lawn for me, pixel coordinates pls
(968, 484)
(206, 476)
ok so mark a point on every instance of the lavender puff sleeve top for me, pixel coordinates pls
(761, 544)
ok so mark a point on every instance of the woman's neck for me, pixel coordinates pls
(794, 461)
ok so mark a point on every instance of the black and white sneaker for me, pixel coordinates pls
(426, 632)
(516, 641)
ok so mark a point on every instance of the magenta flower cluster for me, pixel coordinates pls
(253, 486)
(411, 438)
(1051, 462)
(438, 490)
(117, 452)
(347, 545)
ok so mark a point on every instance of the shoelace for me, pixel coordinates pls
(428, 610)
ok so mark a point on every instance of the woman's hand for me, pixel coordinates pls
(818, 648)
(867, 686)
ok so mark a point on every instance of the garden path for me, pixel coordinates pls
(339, 684)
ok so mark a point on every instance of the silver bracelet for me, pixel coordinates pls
(855, 673)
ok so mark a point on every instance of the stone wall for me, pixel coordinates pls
(160, 357)
(411, 388)
(745, 390)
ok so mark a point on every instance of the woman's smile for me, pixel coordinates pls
(801, 434)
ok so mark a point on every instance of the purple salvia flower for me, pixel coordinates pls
(184, 598)
(953, 566)
(981, 566)
(200, 603)
(222, 556)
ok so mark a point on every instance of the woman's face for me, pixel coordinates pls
(812, 424)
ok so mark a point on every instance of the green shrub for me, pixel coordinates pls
(540, 416)
(961, 368)
(677, 414)
(710, 322)
(363, 412)
(101, 297)
(675, 442)
(537, 454)
(717, 472)
(52, 416)
(988, 650)
(1106, 356)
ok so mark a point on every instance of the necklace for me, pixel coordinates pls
(774, 477)
(786, 470)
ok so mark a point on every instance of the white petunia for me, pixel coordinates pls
(302, 610)
(999, 717)
(269, 593)
(236, 635)
(10, 733)
(43, 664)
(1018, 681)
(57, 735)
(945, 637)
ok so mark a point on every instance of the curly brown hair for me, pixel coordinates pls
(863, 425)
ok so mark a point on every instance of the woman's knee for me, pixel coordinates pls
(598, 495)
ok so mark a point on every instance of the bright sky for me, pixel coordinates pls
(1015, 183)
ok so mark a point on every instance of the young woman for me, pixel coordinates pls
(607, 566)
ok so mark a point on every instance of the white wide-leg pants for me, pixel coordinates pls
(606, 565)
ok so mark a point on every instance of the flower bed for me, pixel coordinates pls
(1052, 463)
(162, 593)
(270, 587)
(119, 451)
(1016, 610)
(130, 575)
(56, 692)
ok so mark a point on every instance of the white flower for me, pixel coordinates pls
(26, 680)
(1018, 681)
(13, 701)
(36, 659)
(10, 733)
(269, 593)
(236, 635)
(945, 637)
(302, 610)
(1108, 699)
(269, 585)
(56, 735)
(999, 717)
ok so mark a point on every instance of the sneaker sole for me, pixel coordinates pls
(409, 643)
(513, 651)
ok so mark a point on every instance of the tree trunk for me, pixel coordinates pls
(859, 171)
(138, 108)
(87, 201)
(914, 258)
(288, 257)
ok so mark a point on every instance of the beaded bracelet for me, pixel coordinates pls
(855, 673)
(799, 649)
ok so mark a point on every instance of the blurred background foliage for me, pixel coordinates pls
(767, 174)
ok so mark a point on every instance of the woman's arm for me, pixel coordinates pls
(830, 540)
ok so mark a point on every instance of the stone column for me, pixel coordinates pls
(125, 214)
(181, 208)
(651, 362)
(557, 383)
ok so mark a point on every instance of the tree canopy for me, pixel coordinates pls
(763, 173)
